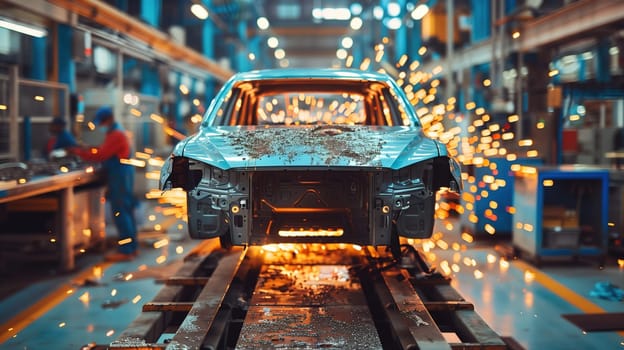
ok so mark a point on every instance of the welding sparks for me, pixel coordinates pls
(161, 243)
(529, 276)
(491, 259)
(85, 297)
(124, 241)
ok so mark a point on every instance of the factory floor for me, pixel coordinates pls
(99, 300)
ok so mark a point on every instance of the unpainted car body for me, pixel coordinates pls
(304, 155)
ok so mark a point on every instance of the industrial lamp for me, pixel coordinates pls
(23, 28)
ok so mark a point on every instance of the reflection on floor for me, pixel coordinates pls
(516, 299)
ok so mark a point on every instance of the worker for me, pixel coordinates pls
(120, 181)
(61, 137)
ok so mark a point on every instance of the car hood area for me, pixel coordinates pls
(229, 147)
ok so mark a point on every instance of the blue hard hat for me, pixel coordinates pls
(102, 114)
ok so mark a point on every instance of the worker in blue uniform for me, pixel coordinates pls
(120, 181)
(61, 137)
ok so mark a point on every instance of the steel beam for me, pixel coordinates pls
(112, 18)
(571, 22)
(578, 18)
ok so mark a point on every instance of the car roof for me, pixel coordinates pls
(320, 73)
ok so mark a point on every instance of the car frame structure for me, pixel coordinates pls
(310, 156)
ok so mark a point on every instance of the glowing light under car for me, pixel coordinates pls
(311, 233)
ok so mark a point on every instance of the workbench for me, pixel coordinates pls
(561, 211)
(74, 200)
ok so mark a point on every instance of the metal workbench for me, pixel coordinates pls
(61, 189)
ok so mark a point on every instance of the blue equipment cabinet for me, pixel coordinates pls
(501, 220)
(561, 211)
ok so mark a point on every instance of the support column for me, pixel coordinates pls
(208, 32)
(450, 46)
(481, 19)
(179, 118)
(415, 41)
(66, 66)
(400, 36)
(603, 61)
(38, 61)
(150, 12)
(38, 66)
(65, 228)
(150, 80)
(242, 62)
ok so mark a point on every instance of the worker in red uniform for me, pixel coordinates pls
(120, 181)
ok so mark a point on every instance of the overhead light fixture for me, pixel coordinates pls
(22, 28)
(356, 23)
(279, 54)
(273, 42)
(347, 42)
(199, 10)
(393, 23)
(394, 9)
(341, 53)
(331, 13)
(419, 12)
(263, 23)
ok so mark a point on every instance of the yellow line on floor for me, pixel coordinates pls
(20, 321)
(561, 290)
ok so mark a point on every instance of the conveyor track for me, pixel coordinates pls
(306, 297)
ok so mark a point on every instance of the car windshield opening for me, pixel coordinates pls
(304, 108)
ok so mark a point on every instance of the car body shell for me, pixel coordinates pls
(244, 180)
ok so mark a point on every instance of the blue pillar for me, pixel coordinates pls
(510, 6)
(150, 12)
(602, 61)
(150, 82)
(415, 41)
(254, 47)
(400, 37)
(383, 31)
(38, 63)
(122, 5)
(242, 63)
(481, 19)
(179, 118)
(66, 66)
(208, 32)
(357, 49)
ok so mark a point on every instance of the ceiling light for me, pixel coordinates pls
(263, 23)
(341, 54)
(347, 42)
(356, 9)
(332, 13)
(23, 28)
(272, 42)
(420, 11)
(356, 23)
(199, 11)
(378, 12)
(279, 54)
(393, 23)
(394, 9)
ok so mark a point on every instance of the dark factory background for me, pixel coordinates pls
(527, 95)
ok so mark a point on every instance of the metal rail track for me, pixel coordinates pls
(306, 297)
